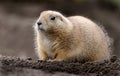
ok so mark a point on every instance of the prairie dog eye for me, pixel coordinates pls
(52, 18)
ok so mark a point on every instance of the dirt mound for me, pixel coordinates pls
(28, 67)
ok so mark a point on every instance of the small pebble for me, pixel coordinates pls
(39, 60)
(113, 59)
(29, 58)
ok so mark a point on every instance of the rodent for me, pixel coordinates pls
(61, 38)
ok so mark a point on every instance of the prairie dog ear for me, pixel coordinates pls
(60, 18)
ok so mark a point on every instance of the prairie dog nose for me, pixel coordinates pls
(39, 23)
(40, 27)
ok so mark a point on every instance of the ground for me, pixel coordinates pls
(14, 66)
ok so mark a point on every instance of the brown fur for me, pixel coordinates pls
(70, 38)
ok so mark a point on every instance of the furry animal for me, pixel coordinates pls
(67, 38)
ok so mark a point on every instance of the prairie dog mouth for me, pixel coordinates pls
(40, 27)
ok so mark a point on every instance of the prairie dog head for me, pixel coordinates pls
(52, 21)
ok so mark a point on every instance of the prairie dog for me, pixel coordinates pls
(65, 38)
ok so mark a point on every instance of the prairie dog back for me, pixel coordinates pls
(93, 36)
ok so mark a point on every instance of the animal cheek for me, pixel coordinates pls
(59, 23)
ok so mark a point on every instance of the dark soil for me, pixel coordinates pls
(28, 67)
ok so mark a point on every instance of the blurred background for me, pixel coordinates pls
(18, 16)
